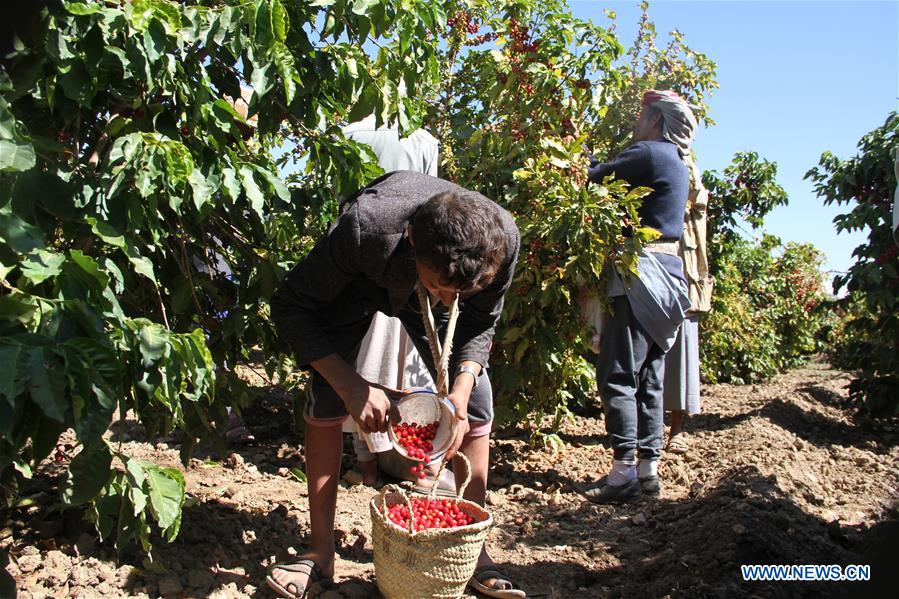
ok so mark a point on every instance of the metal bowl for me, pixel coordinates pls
(423, 407)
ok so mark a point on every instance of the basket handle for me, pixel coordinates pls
(440, 353)
(396, 489)
(433, 493)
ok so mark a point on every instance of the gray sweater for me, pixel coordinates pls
(368, 249)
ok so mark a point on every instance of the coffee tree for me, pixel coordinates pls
(143, 221)
(646, 65)
(767, 311)
(524, 85)
(869, 341)
(768, 304)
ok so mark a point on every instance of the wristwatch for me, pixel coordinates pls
(471, 371)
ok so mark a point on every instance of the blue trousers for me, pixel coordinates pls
(630, 372)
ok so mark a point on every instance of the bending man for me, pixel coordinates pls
(404, 229)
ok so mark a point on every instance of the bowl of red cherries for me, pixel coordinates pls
(425, 428)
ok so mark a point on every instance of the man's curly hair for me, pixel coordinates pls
(461, 236)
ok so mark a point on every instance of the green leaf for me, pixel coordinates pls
(18, 234)
(153, 344)
(136, 477)
(142, 264)
(14, 373)
(155, 40)
(178, 162)
(280, 23)
(365, 105)
(82, 9)
(106, 511)
(284, 61)
(166, 490)
(45, 437)
(230, 184)
(254, 194)
(46, 384)
(88, 473)
(262, 77)
(124, 148)
(264, 35)
(77, 83)
(107, 233)
(18, 307)
(363, 7)
(298, 474)
(40, 265)
(23, 468)
(87, 270)
(200, 188)
(275, 181)
(7, 121)
(16, 156)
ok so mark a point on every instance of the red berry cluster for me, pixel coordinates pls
(429, 513)
(481, 39)
(806, 288)
(417, 440)
(521, 43)
(464, 21)
(62, 452)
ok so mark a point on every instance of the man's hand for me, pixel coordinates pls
(459, 397)
(460, 426)
(370, 404)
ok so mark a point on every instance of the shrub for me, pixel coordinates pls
(868, 343)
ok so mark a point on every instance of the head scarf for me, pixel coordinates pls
(678, 122)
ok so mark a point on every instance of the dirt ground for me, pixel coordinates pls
(779, 473)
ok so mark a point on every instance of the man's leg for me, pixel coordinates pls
(366, 461)
(324, 414)
(650, 414)
(677, 422)
(324, 446)
(323, 454)
(649, 404)
(616, 378)
(623, 350)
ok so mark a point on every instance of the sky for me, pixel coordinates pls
(797, 78)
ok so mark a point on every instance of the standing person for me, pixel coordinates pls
(387, 354)
(405, 231)
(681, 385)
(648, 308)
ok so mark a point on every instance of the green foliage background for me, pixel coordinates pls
(143, 230)
(868, 343)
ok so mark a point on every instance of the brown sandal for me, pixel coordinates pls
(678, 444)
(502, 586)
(292, 590)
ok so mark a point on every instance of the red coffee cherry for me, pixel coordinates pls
(415, 439)
(429, 513)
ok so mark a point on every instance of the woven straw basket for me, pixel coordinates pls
(434, 563)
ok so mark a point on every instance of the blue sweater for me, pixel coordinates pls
(657, 165)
